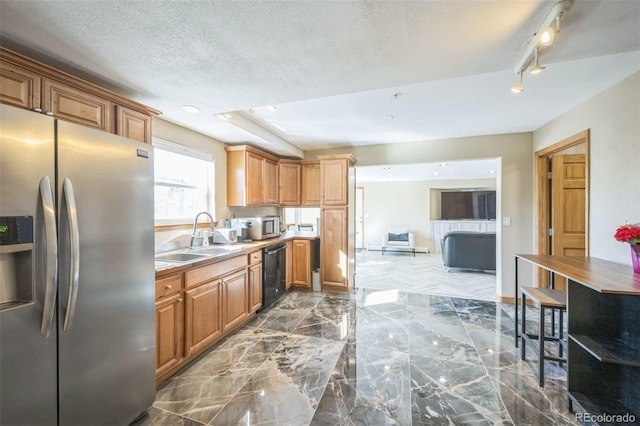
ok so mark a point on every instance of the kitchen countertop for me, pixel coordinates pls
(164, 268)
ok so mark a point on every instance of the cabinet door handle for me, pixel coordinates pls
(168, 287)
(179, 300)
(37, 109)
(49, 113)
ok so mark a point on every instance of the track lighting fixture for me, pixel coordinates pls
(542, 38)
(537, 67)
(518, 87)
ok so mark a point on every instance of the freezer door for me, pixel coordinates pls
(27, 357)
(106, 297)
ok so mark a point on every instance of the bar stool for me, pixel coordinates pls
(544, 298)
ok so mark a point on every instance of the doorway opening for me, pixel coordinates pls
(562, 199)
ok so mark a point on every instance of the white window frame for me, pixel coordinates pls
(165, 145)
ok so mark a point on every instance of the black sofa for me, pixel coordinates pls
(469, 250)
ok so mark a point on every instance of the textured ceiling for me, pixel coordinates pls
(333, 67)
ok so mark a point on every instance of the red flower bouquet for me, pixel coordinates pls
(628, 234)
(631, 234)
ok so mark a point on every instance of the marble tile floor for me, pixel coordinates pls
(367, 358)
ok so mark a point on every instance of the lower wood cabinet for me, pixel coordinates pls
(197, 307)
(289, 265)
(302, 263)
(334, 247)
(169, 333)
(203, 316)
(235, 294)
(254, 275)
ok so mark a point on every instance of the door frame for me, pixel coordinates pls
(542, 192)
(360, 226)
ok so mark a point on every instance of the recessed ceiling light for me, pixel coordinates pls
(388, 117)
(436, 173)
(272, 107)
(224, 116)
(190, 108)
(493, 172)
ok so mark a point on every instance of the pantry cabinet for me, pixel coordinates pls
(32, 85)
(252, 177)
(337, 226)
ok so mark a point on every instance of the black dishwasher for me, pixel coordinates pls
(274, 264)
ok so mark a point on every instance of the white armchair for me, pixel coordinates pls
(400, 239)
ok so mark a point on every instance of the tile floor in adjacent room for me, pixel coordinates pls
(369, 358)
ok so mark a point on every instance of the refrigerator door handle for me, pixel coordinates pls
(51, 256)
(69, 199)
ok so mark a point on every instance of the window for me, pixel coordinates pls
(184, 183)
(301, 215)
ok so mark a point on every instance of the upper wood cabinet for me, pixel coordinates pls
(70, 104)
(252, 177)
(310, 183)
(19, 87)
(133, 124)
(270, 183)
(334, 180)
(289, 177)
(29, 84)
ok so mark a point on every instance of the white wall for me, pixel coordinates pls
(407, 205)
(514, 182)
(613, 118)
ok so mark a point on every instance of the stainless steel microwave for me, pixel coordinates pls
(265, 227)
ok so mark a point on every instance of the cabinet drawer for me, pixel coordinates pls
(255, 257)
(211, 272)
(168, 285)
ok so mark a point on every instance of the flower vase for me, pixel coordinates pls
(635, 257)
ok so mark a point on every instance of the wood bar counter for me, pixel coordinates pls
(603, 308)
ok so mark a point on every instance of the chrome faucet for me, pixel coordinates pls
(195, 226)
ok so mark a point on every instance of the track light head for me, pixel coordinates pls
(546, 36)
(517, 88)
(537, 67)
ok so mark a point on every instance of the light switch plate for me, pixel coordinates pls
(506, 221)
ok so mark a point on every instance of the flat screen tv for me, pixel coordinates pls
(461, 205)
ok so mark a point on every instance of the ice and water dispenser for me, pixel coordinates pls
(16, 261)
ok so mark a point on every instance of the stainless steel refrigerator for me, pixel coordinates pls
(77, 332)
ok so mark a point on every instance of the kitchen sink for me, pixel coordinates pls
(217, 250)
(180, 257)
